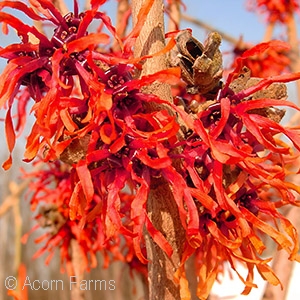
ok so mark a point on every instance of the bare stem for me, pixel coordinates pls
(61, 6)
(225, 36)
(12, 201)
(174, 15)
(294, 54)
(122, 21)
(269, 32)
(161, 206)
(76, 292)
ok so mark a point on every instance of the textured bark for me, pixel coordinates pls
(152, 40)
(161, 206)
(163, 213)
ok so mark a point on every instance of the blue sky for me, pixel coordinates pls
(230, 16)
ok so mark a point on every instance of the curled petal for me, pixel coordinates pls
(86, 180)
(10, 138)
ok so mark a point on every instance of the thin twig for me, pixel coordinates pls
(208, 27)
(122, 21)
(269, 32)
(294, 54)
(87, 4)
(61, 6)
(15, 192)
(12, 201)
(77, 293)
(174, 15)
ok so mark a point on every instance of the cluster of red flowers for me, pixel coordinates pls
(276, 10)
(269, 62)
(53, 187)
(91, 115)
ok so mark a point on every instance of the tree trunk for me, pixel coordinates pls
(161, 206)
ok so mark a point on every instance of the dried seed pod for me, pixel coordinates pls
(201, 65)
(274, 91)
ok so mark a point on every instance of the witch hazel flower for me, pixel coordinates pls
(99, 139)
(51, 190)
(61, 74)
(46, 68)
(276, 10)
(233, 157)
(89, 113)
